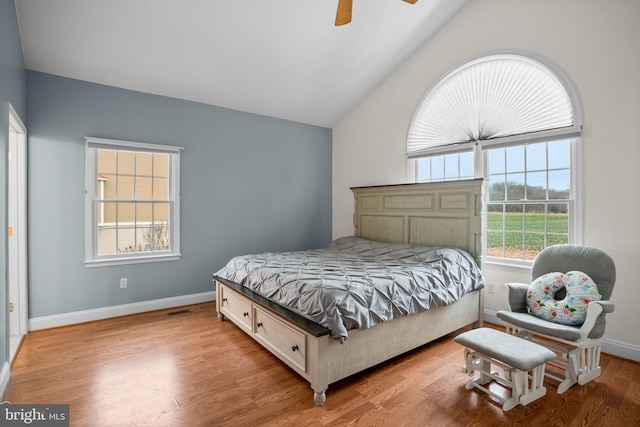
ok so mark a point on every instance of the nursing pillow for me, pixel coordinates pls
(572, 310)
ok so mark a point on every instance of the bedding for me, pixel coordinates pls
(358, 283)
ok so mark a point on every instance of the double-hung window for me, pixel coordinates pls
(132, 205)
(516, 122)
(529, 201)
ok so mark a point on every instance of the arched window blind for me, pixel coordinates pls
(487, 100)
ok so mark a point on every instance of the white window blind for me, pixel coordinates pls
(488, 100)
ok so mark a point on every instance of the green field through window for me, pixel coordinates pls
(518, 235)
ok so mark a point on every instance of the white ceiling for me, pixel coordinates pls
(279, 58)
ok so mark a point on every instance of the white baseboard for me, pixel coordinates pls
(5, 377)
(621, 349)
(616, 348)
(65, 319)
(490, 316)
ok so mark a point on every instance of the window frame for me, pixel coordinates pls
(556, 133)
(480, 154)
(480, 150)
(414, 167)
(574, 201)
(92, 218)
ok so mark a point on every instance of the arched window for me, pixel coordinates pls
(515, 121)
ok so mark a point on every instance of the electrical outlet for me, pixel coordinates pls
(123, 283)
(490, 288)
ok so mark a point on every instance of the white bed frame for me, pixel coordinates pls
(439, 214)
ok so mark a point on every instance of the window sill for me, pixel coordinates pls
(508, 265)
(105, 262)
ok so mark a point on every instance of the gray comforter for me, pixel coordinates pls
(358, 283)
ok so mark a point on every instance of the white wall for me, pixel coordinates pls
(596, 44)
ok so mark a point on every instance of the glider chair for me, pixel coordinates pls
(577, 345)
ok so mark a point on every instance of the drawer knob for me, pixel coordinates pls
(259, 324)
(294, 347)
(245, 314)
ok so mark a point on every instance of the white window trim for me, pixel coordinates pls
(552, 67)
(576, 227)
(91, 220)
(574, 133)
(575, 205)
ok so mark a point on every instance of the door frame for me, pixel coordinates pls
(17, 267)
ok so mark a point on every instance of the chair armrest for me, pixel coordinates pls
(517, 297)
(593, 326)
(607, 306)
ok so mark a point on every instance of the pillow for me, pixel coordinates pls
(572, 310)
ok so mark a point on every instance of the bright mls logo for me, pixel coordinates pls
(35, 415)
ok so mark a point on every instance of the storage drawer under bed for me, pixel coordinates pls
(281, 338)
(237, 308)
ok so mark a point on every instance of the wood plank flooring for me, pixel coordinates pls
(190, 369)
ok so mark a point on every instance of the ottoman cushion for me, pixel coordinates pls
(515, 352)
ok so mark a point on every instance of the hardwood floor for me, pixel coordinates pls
(190, 369)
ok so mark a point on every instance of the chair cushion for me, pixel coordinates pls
(596, 263)
(532, 323)
(572, 309)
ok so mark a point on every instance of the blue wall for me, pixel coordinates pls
(13, 78)
(249, 184)
(13, 90)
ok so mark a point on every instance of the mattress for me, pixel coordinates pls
(358, 283)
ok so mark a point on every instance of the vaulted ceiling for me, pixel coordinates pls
(279, 58)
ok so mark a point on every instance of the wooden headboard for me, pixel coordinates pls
(435, 214)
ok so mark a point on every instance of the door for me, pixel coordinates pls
(17, 231)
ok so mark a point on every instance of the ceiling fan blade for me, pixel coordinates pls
(411, 1)
(343, 16)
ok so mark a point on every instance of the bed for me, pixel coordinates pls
(409, 218)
